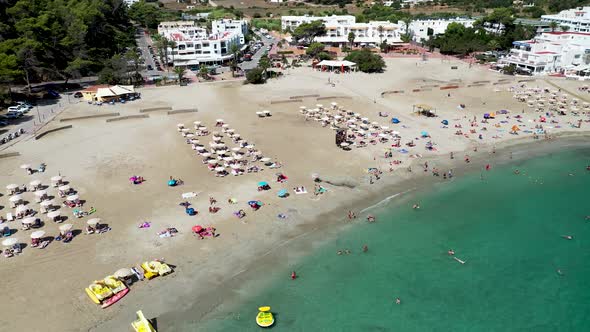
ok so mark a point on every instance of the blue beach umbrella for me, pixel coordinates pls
(262, 183)
(424, 134)
(395, 120)
(445, 122)
(282, 193)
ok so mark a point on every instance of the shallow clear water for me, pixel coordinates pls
(506, 227)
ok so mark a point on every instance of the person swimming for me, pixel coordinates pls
(416, 206)
(398, 301)
(293, 275)
(567, 237)
(451, 252)
(365, 248)
(339, 252)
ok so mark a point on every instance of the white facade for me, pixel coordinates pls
(338, 28)
(130, 2)
(419, 28)
(195, 45)
(578, 19)
(551, 52)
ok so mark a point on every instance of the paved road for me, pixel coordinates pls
(247, 65)
(142, 42)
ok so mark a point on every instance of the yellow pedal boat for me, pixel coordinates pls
(265, 317)
(98, 291)
(142, 324)
(155, 268)
(114, 284)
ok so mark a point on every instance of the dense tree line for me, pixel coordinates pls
(460, 40)
(60, 39)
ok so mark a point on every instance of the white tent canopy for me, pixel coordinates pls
(115, 91)
(337, 63)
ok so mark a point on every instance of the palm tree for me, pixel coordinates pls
(407, 37)
(493, 44)
(162, 46)
(179, 71)
(351, 37)
(172, 46)
(553, 25)
(565, 28)
(380, 29)
(203, 71)
(234, 49)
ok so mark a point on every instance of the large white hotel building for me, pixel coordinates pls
(195, 45)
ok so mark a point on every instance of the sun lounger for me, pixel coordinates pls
(189, 194)
(9, 216)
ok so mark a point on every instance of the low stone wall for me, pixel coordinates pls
(286, 101)
(304, 96)
(38, 136)
(10, 154)
(384, 93)
(153, 109)
(105, 115)
(128, 117)
(448, 87)
(333, 97)
(194, 110)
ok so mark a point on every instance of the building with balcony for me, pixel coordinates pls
(339, 26)
(551, 52)
(578, 19)
(194, 45)
(421, 30)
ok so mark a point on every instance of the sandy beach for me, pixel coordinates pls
(98, 157)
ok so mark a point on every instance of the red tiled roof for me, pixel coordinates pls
(94, 88)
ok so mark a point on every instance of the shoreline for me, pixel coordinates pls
(308, 238)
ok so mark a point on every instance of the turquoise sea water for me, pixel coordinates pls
(506, 227)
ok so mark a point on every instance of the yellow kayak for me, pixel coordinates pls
(155, 268)
(98, 291)
(114, 284)
(264, 317)
(142, 324)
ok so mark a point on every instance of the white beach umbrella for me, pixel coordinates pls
(257, 153)
(53, 214)
(190, 135)
(383, 135)
(21, 208)
(238, 157)
(333, 103)
(194, 141)
(344, 144)
(351, 126)
(236, 149)
(66, 227)
(35, 183)
(40, 193)
(15, 198)
(395, 132)
(29, 220)
(225, 125)
(200, 148)
(235, 166)
(56, 178)
(302, 107)
(217, 138)
(37, 234)
(265, 159)
(212, 162)
(197, 123)
(206, 154)
(10, 242)
(249, 146)
(319, 105)
(384, 127)
(25, 166)
(180, 125)
(12, 186)
(47, 203)
(228, 158)
(72, 198)
(219, 169)
(231, 130)
(64, 188)
(93, 221)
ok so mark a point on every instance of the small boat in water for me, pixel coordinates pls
(265, 318)
(458, 260)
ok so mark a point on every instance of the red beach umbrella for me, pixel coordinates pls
(197, 229)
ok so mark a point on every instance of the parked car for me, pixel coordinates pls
(19, 108)
(13, 115)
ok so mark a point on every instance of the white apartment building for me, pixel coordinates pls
(419, 28)
(130, 2)
(551, 52)
(339, 26)
(195, 45)
(578, 19)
